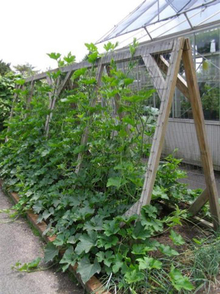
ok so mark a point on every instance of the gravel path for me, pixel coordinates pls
(18, 243)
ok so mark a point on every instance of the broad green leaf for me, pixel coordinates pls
(107, 257)
(38, 206)
(159, 193)
(134, 276)
(117, 263)
(179, 281)
(70, 58)
(87, 241)
(149, 263)
(89, 81)
(139, 232)
(115, 182)
(87, 269)
(149, 210)
(60, 239)
(167, 250)
(107, 242)
(79, 72)
(54, 55)
(111, 228)
(20, 82)
(69, 258)
(50, 252)
(110, 46)
(176, 238)
(139, 249)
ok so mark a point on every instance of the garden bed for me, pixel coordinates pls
(80, 173)
(93, 285)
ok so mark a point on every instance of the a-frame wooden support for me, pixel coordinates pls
(58, 88)
(165, 88)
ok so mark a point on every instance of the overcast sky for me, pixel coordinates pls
(32, 28)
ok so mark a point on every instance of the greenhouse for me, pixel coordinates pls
(200, 22)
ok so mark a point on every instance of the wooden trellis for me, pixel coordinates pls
(165, 77)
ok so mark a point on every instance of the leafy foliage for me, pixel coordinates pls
(7, 85)
(4, 68)
(85, 209)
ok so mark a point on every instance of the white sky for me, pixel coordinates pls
(32, 28)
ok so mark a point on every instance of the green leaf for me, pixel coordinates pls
(149, 210)
(87, 241)
(107, 257)
(139, 249)
(179, 281)
(149, 263)
(159, 193)
(87, 269)
(107, 242)
(60, 239)
(109, 46)
(69, 258)
(176, 238)
(79, 72)
(34, 264)
(134, 276)
(111, 228)
(167, 250)
(115, 182)
(54, 55)
(70, 58)
(27, 267)
(20, 82)
(50, 252)
(139, 232)
(118, 263)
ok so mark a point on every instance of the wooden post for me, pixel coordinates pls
(201, 133)
(17, 87)
(200, 201)
(30, 96)
(183, 87)
(159, 134)
(59, 86)
(155, 73)
(180, 83)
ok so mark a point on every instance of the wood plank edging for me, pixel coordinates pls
(93, 286)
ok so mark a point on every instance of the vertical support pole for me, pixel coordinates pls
(17, 87)
(59, 86)
(159, 134)
(30, 96)
(201, 133)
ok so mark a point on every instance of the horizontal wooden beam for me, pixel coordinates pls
(118, 55)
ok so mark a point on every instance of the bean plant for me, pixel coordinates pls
(85, 209)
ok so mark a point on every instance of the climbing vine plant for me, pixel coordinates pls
(85, 209)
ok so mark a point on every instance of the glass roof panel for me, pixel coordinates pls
(178, 5)
(157, 11)
(199, 16)
(147, 17)
(169, 27)
(138, 12)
